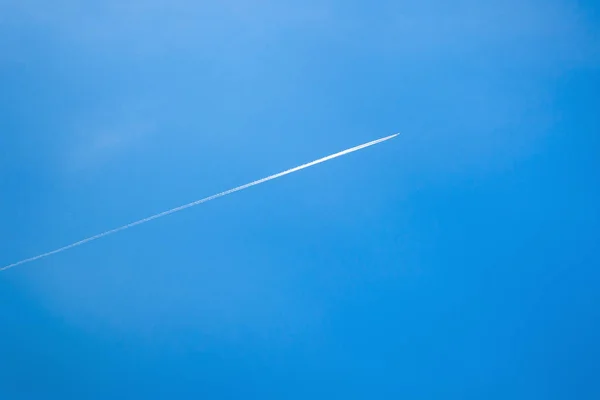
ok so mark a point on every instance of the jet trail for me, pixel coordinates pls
(195, 203)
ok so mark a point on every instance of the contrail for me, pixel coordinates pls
(195, 203)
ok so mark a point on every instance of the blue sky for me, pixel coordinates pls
(459, 260)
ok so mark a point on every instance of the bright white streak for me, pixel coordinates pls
(195, 203)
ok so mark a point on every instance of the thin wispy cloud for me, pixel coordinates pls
(93, 146)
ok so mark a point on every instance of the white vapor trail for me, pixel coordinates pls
(195, 203)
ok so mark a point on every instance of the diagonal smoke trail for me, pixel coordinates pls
(195, 203)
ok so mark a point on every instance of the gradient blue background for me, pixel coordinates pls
(458, 261)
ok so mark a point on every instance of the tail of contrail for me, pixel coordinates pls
(195, 203)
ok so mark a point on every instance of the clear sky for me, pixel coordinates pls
(457, 261)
